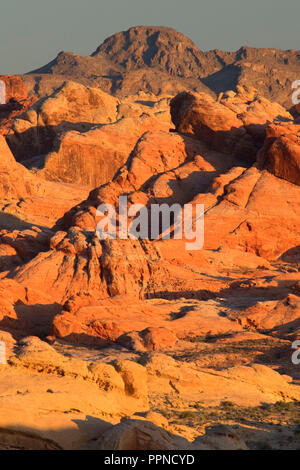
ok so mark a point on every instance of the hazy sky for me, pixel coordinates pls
(32, 32)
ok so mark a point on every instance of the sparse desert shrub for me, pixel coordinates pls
(227, 404)
(186, 414)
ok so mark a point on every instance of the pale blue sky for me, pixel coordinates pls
(32, 32)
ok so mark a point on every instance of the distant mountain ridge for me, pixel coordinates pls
(161, 60)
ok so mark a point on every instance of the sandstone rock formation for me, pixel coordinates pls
(235, 124)
(153, 345)
(237, 212)
(281, 317)
(222, 438)
(141, 435)
(92, 158)
(82, 135)
(244, 219)
(280, 153)
(163, 167)
(16, 181)
(14, 88)
(73, 106)
(65, 402)
(16, 101)
(46, 379)
(24, 198)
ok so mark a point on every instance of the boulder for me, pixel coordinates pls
(149, 339)
(221, 437)
(280, 154)
(139, 435)
(134, 376)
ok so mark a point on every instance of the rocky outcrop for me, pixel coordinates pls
(23, 244)
(92, 158)
(85, 133)
(77, 263)
(150, 339)
(25, 309)
(14, 88)
(24, 197)
(281, 152)
(243, 217)
(234, 124)
(73, 106)
(171, 168)
(280, 318)
(166, 373)
(143, 325)
(222, 437)
(16, 102)
(163, 167)
(12, 110)
(141, 435)
(49, 396)
(158, 47)
(15, 180)
(54, 400)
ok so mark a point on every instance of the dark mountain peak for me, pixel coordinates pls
(144, 36)
(154, 46)
(62, 58)
(161, 60)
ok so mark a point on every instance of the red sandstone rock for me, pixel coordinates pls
(25, 311)
(15, 181)
(73, 106)
(281, 318)
(243, 217)
(25, 198)
(281, 152)
(149, 339)
(234, 124)
(130, 297)
(92, 158)
(16, 102)
(78, 269)
(163, 166)
(238, 213)
(15, 87)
